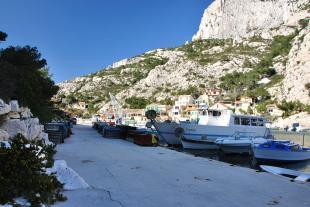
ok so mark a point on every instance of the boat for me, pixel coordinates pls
(295, 175)
(280, 151)
(237, 145)
(166, 132)
(222, 124)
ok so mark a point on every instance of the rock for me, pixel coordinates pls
(15, 126)
(14, 106)
(245, 18)
(4, 108)
(14, 115)
(29, 128)
(67, 176)
(44, 136)
(297, 73)
(4, 136)
(25, 112)
(302, 118)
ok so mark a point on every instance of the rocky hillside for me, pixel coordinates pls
(232, 48)
(245, 18)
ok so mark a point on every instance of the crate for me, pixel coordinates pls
(125, 130)
(145, 140)
(56, 132)
(112, 132)
(56, 137)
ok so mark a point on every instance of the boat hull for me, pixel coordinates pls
(167, 132)
(199, 145)
(197, 133)
(298, 176)
(266, 155)
(235, 148)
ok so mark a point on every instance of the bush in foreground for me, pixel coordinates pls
(22, 173)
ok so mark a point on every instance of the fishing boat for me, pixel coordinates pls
(280, 151)
(296, 175)
(237, 145)
(222, 124)
(165, 130)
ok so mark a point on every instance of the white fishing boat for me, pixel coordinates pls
(280, 151)
(166, 131)
(237, 145)
(222, 124)
(296, 175)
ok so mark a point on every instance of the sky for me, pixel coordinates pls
(78, 37)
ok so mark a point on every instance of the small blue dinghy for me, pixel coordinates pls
(280, 151)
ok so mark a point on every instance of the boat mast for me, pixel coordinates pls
(117, 109)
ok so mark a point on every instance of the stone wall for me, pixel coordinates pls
(15, 119)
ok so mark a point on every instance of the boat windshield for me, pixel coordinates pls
(214, 113)
(247, 121)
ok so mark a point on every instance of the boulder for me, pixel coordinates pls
(14, 115)
(14, 127)
(25, 112)
(29, 128)
(14, 106)
(44, 136)
(4, 136)
(4, 108)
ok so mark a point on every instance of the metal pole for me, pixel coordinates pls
(303, 139)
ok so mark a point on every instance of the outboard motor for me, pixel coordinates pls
(151, 114)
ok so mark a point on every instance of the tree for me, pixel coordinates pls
(24, 76)
(3, 36)
(136, 102)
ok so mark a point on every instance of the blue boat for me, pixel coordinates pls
(280, 151)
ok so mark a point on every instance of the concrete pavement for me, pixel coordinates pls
(124, 174)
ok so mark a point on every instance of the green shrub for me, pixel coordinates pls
(136, 102)
(167, 101)
(188, 91)
(303, 23)
(247, 63)
(22, 173)
(274, 80)
(292, 107)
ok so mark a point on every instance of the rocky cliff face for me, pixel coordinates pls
(234, 35)
(245, 18)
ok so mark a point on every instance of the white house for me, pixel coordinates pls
(273, 110)
(219, 106)
(184, 100)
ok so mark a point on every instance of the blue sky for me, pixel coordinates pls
(78, 37)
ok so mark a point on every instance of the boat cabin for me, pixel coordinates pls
(228, 118)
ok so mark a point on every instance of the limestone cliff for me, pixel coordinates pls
(245, 18)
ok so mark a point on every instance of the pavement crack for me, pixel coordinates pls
(110, 195)
(117, 201)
